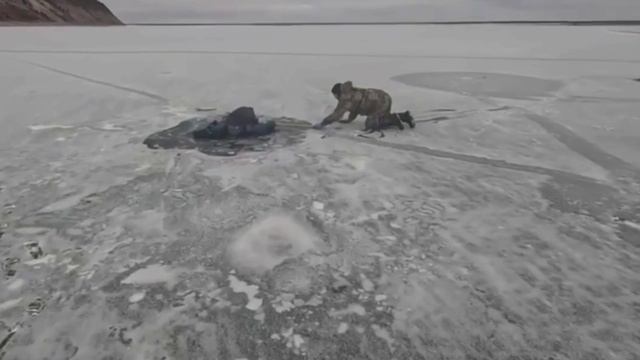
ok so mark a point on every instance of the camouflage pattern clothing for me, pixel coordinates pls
(373, 103)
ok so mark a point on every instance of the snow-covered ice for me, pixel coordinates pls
(488, 230)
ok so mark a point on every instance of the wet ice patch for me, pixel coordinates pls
(269, 242)
(483, 84)
(288, 132)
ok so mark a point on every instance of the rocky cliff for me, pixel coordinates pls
(78, 12)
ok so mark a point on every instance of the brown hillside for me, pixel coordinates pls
(79, 12)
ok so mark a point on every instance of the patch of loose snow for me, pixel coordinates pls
(111, 127)
(314, 301)
(283, 303)
(9, 304)
(63, 204)
(367, 285)
(41, 261)
(383, 334)
(239, 286)
(294, 341)
(153, 274)
(31, 230)
(16, 285)
(137, 297)
(351, 309)
(270, 242)
(631, 224)
(49, 127)
(380, 298)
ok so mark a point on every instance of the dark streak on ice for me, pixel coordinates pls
(104, 83)
(6, 339)
(474, 159)
(615, 165)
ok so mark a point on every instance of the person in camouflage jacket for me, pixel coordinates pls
(373, 103)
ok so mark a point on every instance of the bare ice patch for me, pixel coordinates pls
(483, 84)
(269, 242)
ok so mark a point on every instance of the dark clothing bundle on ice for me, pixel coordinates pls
(242, 122)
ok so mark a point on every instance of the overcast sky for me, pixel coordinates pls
(371, 10)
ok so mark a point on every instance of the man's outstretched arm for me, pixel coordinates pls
(338, 113)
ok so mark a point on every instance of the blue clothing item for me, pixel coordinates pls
(216, 130)
(261, 129)
(240, 123)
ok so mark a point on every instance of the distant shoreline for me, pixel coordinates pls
(346, 23)
(505, 22)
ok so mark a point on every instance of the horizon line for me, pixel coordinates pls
(359, 23)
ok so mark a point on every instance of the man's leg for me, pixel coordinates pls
(394, 119)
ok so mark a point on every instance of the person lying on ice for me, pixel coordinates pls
(242, 122)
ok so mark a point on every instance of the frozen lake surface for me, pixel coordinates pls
(505, 226)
